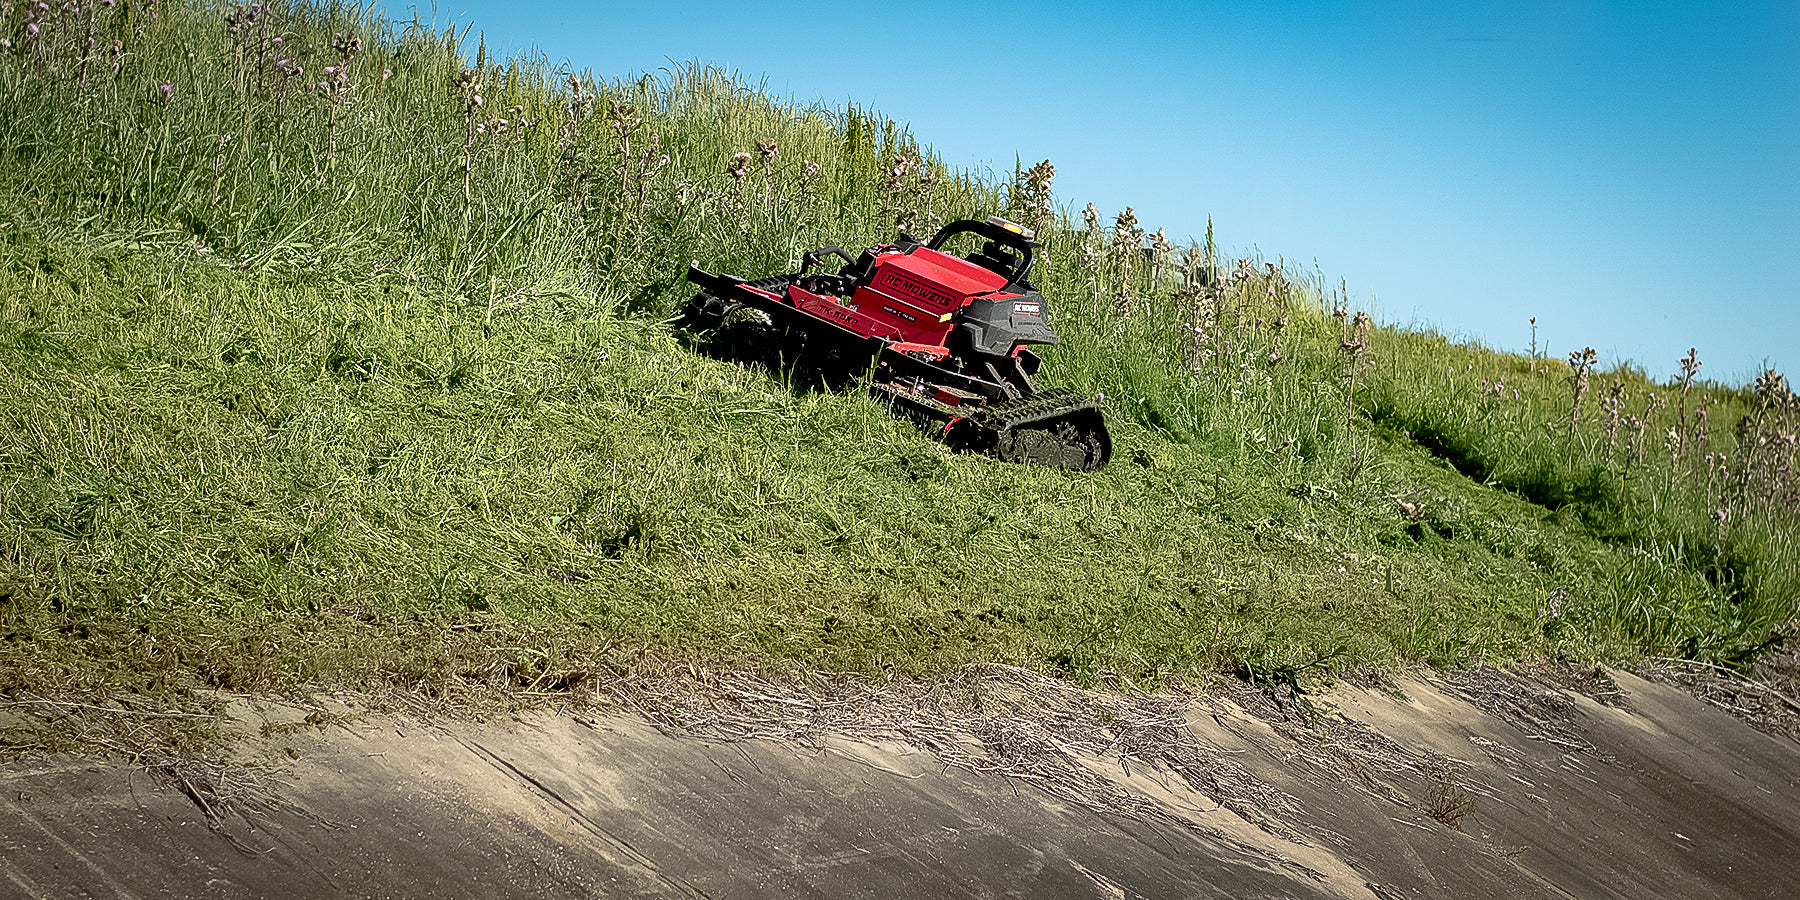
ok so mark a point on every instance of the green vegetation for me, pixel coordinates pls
(328, 356)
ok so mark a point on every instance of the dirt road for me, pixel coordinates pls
(1475, 785)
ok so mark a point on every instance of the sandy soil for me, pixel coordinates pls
(1481, 784)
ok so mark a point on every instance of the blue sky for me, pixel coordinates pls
(1628, 173)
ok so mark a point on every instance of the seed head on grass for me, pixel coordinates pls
(1089, 254)
(575, 170)
(1766, 462)
(1160, 253)
(1089, 258)
(1353, 349)
(894, 177)
(1699, 436)
(470, 89)
(336, 88)
(738, 168)
(926, 185)
(1122, 254)
(1028, 197)
(240, 25)
(1613, 404)
(1771, 389)
(1690, 366)
(1580, 363)
(766, 151)
(907, 186)
(809, 173)
(625, 123)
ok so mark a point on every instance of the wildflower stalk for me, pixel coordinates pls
(1193, 297)
(1028, 197)
(624, 121)
(766, 151)
(337, 88)
(574, 173)
(1690, 365)
(471, 101)
(1127, 243)
(738, 168)
(87, 44)
(1353, 347)
(1090, 254)
(1580, 364)
(1613, 404)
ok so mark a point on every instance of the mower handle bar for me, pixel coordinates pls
(816, 257)
(992, 232)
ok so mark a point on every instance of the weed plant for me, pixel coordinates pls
(331, 351)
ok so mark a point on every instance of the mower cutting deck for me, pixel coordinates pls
(943, 340)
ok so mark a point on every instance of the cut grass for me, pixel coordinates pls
(269, 481)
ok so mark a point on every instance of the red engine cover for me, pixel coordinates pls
(918, 292)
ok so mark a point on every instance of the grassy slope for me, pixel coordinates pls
(274, 419)
(298, 461)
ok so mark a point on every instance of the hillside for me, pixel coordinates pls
(332, 357)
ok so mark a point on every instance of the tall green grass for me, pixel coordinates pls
(366, 380)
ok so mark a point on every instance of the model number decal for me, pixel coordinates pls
(894, 312)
